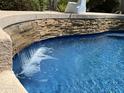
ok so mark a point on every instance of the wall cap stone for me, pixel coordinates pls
(4, 35)
(12, 17)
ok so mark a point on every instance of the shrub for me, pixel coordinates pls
(15, 5)
(108, 6)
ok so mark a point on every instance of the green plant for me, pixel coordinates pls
(62, 5)
(108, 6)
(15, 5)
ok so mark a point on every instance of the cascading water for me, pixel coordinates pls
(73, 64)
(31, 65)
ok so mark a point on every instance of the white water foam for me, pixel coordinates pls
(31, 65)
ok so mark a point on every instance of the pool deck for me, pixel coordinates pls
(8, 81)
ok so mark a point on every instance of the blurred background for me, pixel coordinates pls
(105, 6)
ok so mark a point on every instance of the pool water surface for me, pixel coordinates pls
(73, 64)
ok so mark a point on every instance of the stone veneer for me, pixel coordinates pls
(20, 29)
(25, 33)
(5, 51)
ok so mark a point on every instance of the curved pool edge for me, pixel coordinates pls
(10, 18)
(103, 43)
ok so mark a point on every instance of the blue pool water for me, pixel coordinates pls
(73, 64)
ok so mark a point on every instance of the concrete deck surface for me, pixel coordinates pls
(9, 83)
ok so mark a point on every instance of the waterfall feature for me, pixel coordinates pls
(31, 62)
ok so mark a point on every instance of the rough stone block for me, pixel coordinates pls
(5, 51)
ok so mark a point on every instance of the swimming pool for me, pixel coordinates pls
(73, 64)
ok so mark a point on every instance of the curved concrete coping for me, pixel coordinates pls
(11, 17)
(8, 81)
